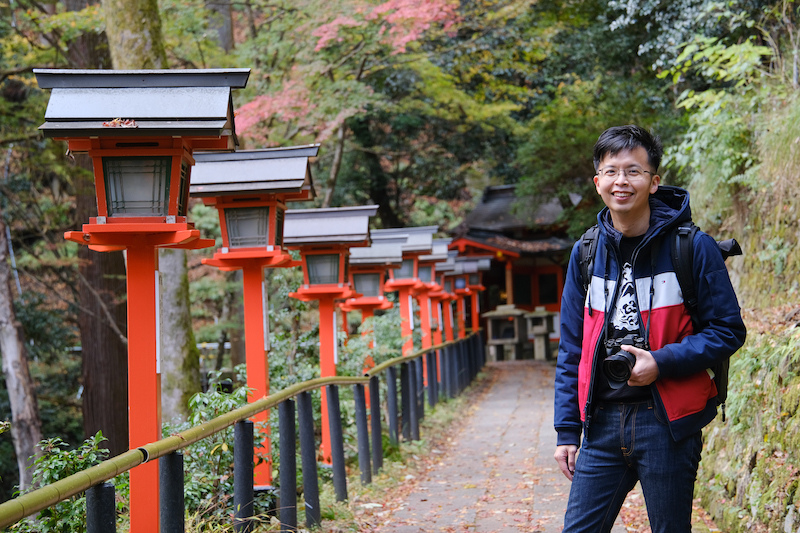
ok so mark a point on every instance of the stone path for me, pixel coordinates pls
(498, 473)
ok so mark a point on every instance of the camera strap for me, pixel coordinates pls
(654, 248)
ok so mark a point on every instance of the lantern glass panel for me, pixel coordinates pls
(137, 186)
(461, 283)
(448, 285)
(474, 279)
(279, 227)
(367, 284)
(406, 270)
(248, 227)
(426, 274)
(323, 268)
(183, 198)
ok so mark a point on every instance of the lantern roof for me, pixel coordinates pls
(138, 103)
(330, 226)
(417, 239)
(470, 265)
(449, 264)
(438, 251)
(377, 254)
(274, 171)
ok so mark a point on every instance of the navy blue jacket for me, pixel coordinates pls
(684, 350)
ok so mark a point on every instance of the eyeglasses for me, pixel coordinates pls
(632, 173)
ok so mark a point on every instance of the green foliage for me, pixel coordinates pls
(672, 24)
(768, 276)
(190, 36)
(748, 476)
(58, 462)
(208, 464)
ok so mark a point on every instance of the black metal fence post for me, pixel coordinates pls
(471, 364)
(405, 399)
(170, 485)
(391, 404)
(337, 443)
(462, 366)
(453, 370)
(419, 397)
(101, 512)
(444, 366)
(375, 423)
(288, 466)
(243, 476)
(362, 434)
(413, 409)
(433, 391)
(308, 455)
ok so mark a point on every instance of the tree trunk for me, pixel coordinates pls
(335, 166)
(134, 34)
(233, 313)
(26, 426)
(104, 316)
(180, 358)
(103, 328)
(222, 21)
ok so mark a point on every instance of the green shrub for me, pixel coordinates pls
(58, 462)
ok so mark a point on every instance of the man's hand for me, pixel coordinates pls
(645, 371)
(565, 457)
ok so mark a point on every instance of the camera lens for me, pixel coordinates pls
(617, 368)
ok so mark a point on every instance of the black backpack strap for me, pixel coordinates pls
(682, 261)
(587, 253)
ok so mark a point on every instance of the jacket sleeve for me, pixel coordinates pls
(719, 328)
(567, 412)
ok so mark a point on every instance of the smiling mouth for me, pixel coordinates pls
(622, 194)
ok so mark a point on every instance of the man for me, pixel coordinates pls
(647, 428)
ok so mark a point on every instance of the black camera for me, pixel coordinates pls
(618, 363)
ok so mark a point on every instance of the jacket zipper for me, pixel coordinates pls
(599, 345)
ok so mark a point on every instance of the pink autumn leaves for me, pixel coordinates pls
(401, 22)
(323, 84)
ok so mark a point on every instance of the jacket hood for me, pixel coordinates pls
(669, 206)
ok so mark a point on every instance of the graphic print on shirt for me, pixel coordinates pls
(626, 316)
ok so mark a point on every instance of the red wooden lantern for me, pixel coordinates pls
(250, 190)
(141, 128)
(405, 280)
(324, 238)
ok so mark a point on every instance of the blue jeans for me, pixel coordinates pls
(627, 443)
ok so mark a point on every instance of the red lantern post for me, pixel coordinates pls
(369, 267)
(405, 280)
(250, 190)
(324, 237)
(141, 128)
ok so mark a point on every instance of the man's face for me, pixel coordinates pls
(626, 194)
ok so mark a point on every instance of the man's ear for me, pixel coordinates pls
(596, 180)
(654, 183)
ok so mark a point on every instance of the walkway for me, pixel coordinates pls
(498, 473)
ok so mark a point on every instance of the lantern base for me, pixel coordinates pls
(238, 260)
(306, 293)
(119, 236)
(369, 303)
(406, 283)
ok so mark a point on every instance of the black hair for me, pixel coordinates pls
(624, 138)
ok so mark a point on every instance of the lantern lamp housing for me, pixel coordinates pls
(407, 270)
(426, 273)
(368, 284)
(325, 268)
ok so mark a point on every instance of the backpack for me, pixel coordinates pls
(681, 239)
